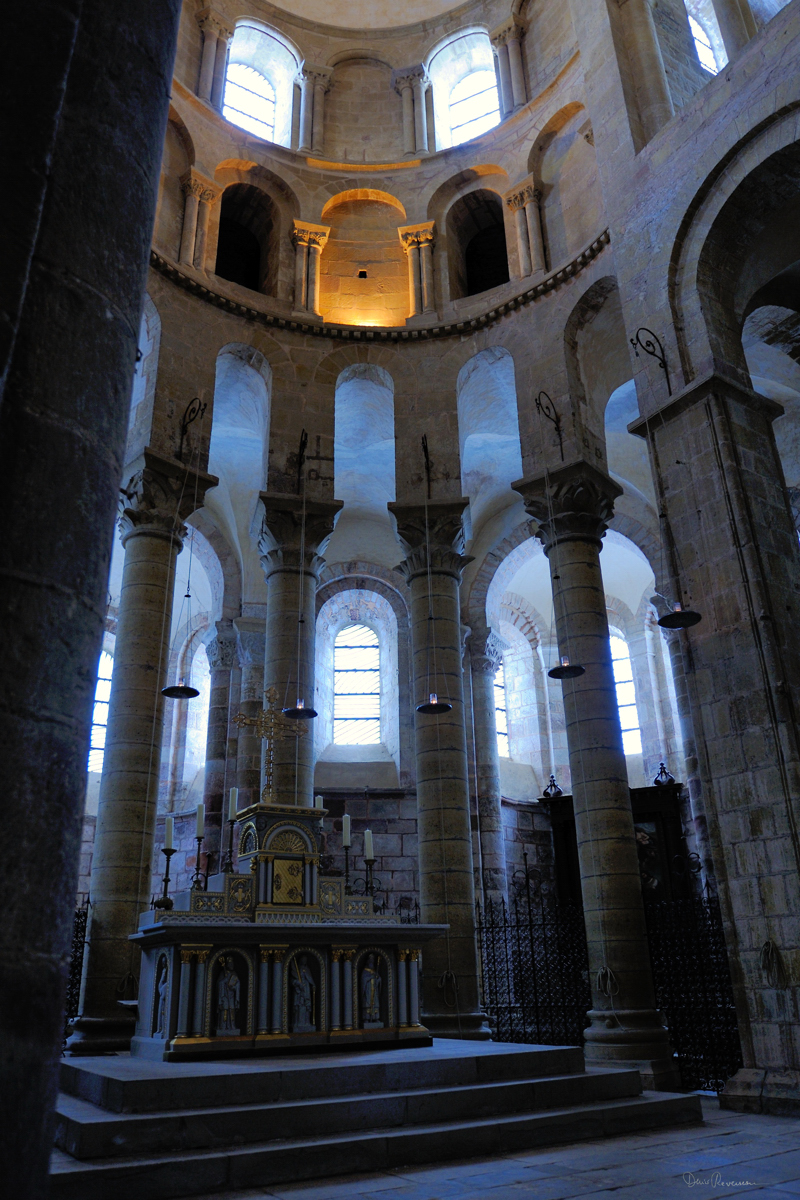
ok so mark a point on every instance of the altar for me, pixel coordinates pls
(276, 957)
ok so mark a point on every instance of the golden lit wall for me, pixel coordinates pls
(364, 237)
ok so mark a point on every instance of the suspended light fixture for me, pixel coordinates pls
(566, 670)
(183, 690)
(680, 618)
(301, 711)
(433, 706)
(180, 691)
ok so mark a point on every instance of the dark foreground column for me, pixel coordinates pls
(450, 977)
(63, 416)
(573, 513)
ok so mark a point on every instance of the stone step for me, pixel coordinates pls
(124, 1084)
(88, 1132)
(195, 1172)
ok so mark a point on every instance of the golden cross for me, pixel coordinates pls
(271, 726)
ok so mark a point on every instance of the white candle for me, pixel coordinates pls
(318, 802)
(200, 827)
(169, 827)
(368, 848)
(233, 804)
(346, 832)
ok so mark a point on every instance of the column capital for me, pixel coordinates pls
(421, 234)
(282, 531)
(221, 649)
(511, 30)
(486, 649)
(522, 193)
(442, 538)
(318, 76)
(403, 77)
(159, 495)
(195, 184)
(210, 21)
(250, 635)
(306, 234)
(573, 503)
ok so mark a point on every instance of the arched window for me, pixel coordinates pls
(500, 713)
(356, 687)
(626, 696)
(250, 101)
(100, 714)
(702, 43)
(474, 106)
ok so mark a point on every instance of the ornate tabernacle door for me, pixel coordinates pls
(287, 881)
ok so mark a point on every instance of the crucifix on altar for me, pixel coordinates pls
(271, 726)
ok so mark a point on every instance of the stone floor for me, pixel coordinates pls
(731, 1154)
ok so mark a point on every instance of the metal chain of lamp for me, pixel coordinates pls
(433, 706)
(300, 711)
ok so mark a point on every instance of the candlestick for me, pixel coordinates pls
(169, 832)
(199, 879)
(346, 832)
(369, 852)
(164, 901)
(233, 804)
(200, 823)
(227, 866)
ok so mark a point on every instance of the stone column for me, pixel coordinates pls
(485, 656)
(156, 501)
(417, 242)
(421, 83)
(67, 366)
(573, 509)
(732, 24)
(264, 955)
(533, 219)
(306, 109)
(192, 189)
(210, 24)
(199, 1006)
(518, 88)
(207, 197)
(516, 204)
(289, 544)
(652, 90)
(713, 446)
(309, 242)
(224, 36)
(504, 70)
(321, 78)
(221, 651)
(404, 87)
(451, 994)
(250, 634)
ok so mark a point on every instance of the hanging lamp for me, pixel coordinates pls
(433, 706)
(183, 690)
(680, 618)
(300, 711)
(566, 670)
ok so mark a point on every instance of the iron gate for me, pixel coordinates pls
(75, 967)
(536, 978)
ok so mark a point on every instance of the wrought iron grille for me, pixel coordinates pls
(75, 967)
(693, 988)
(535, 969)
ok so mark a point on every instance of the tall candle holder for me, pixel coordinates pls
(227, 866)
(200, 878)
(347, 889)
(370, 886)
(164, 901)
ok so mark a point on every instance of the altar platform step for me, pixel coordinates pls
(246, 1125)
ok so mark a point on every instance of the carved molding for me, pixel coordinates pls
(575, 502)
(198, 286)
(439, 540)
(423, 234)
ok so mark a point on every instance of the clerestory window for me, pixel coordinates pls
(626, 696)
(500, 712)
(703, 47)
(474, 106)
(100, 712)
(250, 101)
(356, 687)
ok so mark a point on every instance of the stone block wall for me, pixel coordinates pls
(684, 74)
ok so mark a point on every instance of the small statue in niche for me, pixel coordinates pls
(371, 984)
(304, 992)
(161, 998)
(229, 990)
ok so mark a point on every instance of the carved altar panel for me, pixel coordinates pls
(287, 881)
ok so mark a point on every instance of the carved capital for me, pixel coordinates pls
(405, 77)
(515, 200)
(287, 522)
(221, 649)
(250, 636)
(158, 497)
(512, 30)
(210, 21)
(574, 503)
(306, 234)
(194, 184)
(486, 650)
(423, 234)
(440, 540)
(318, 76)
